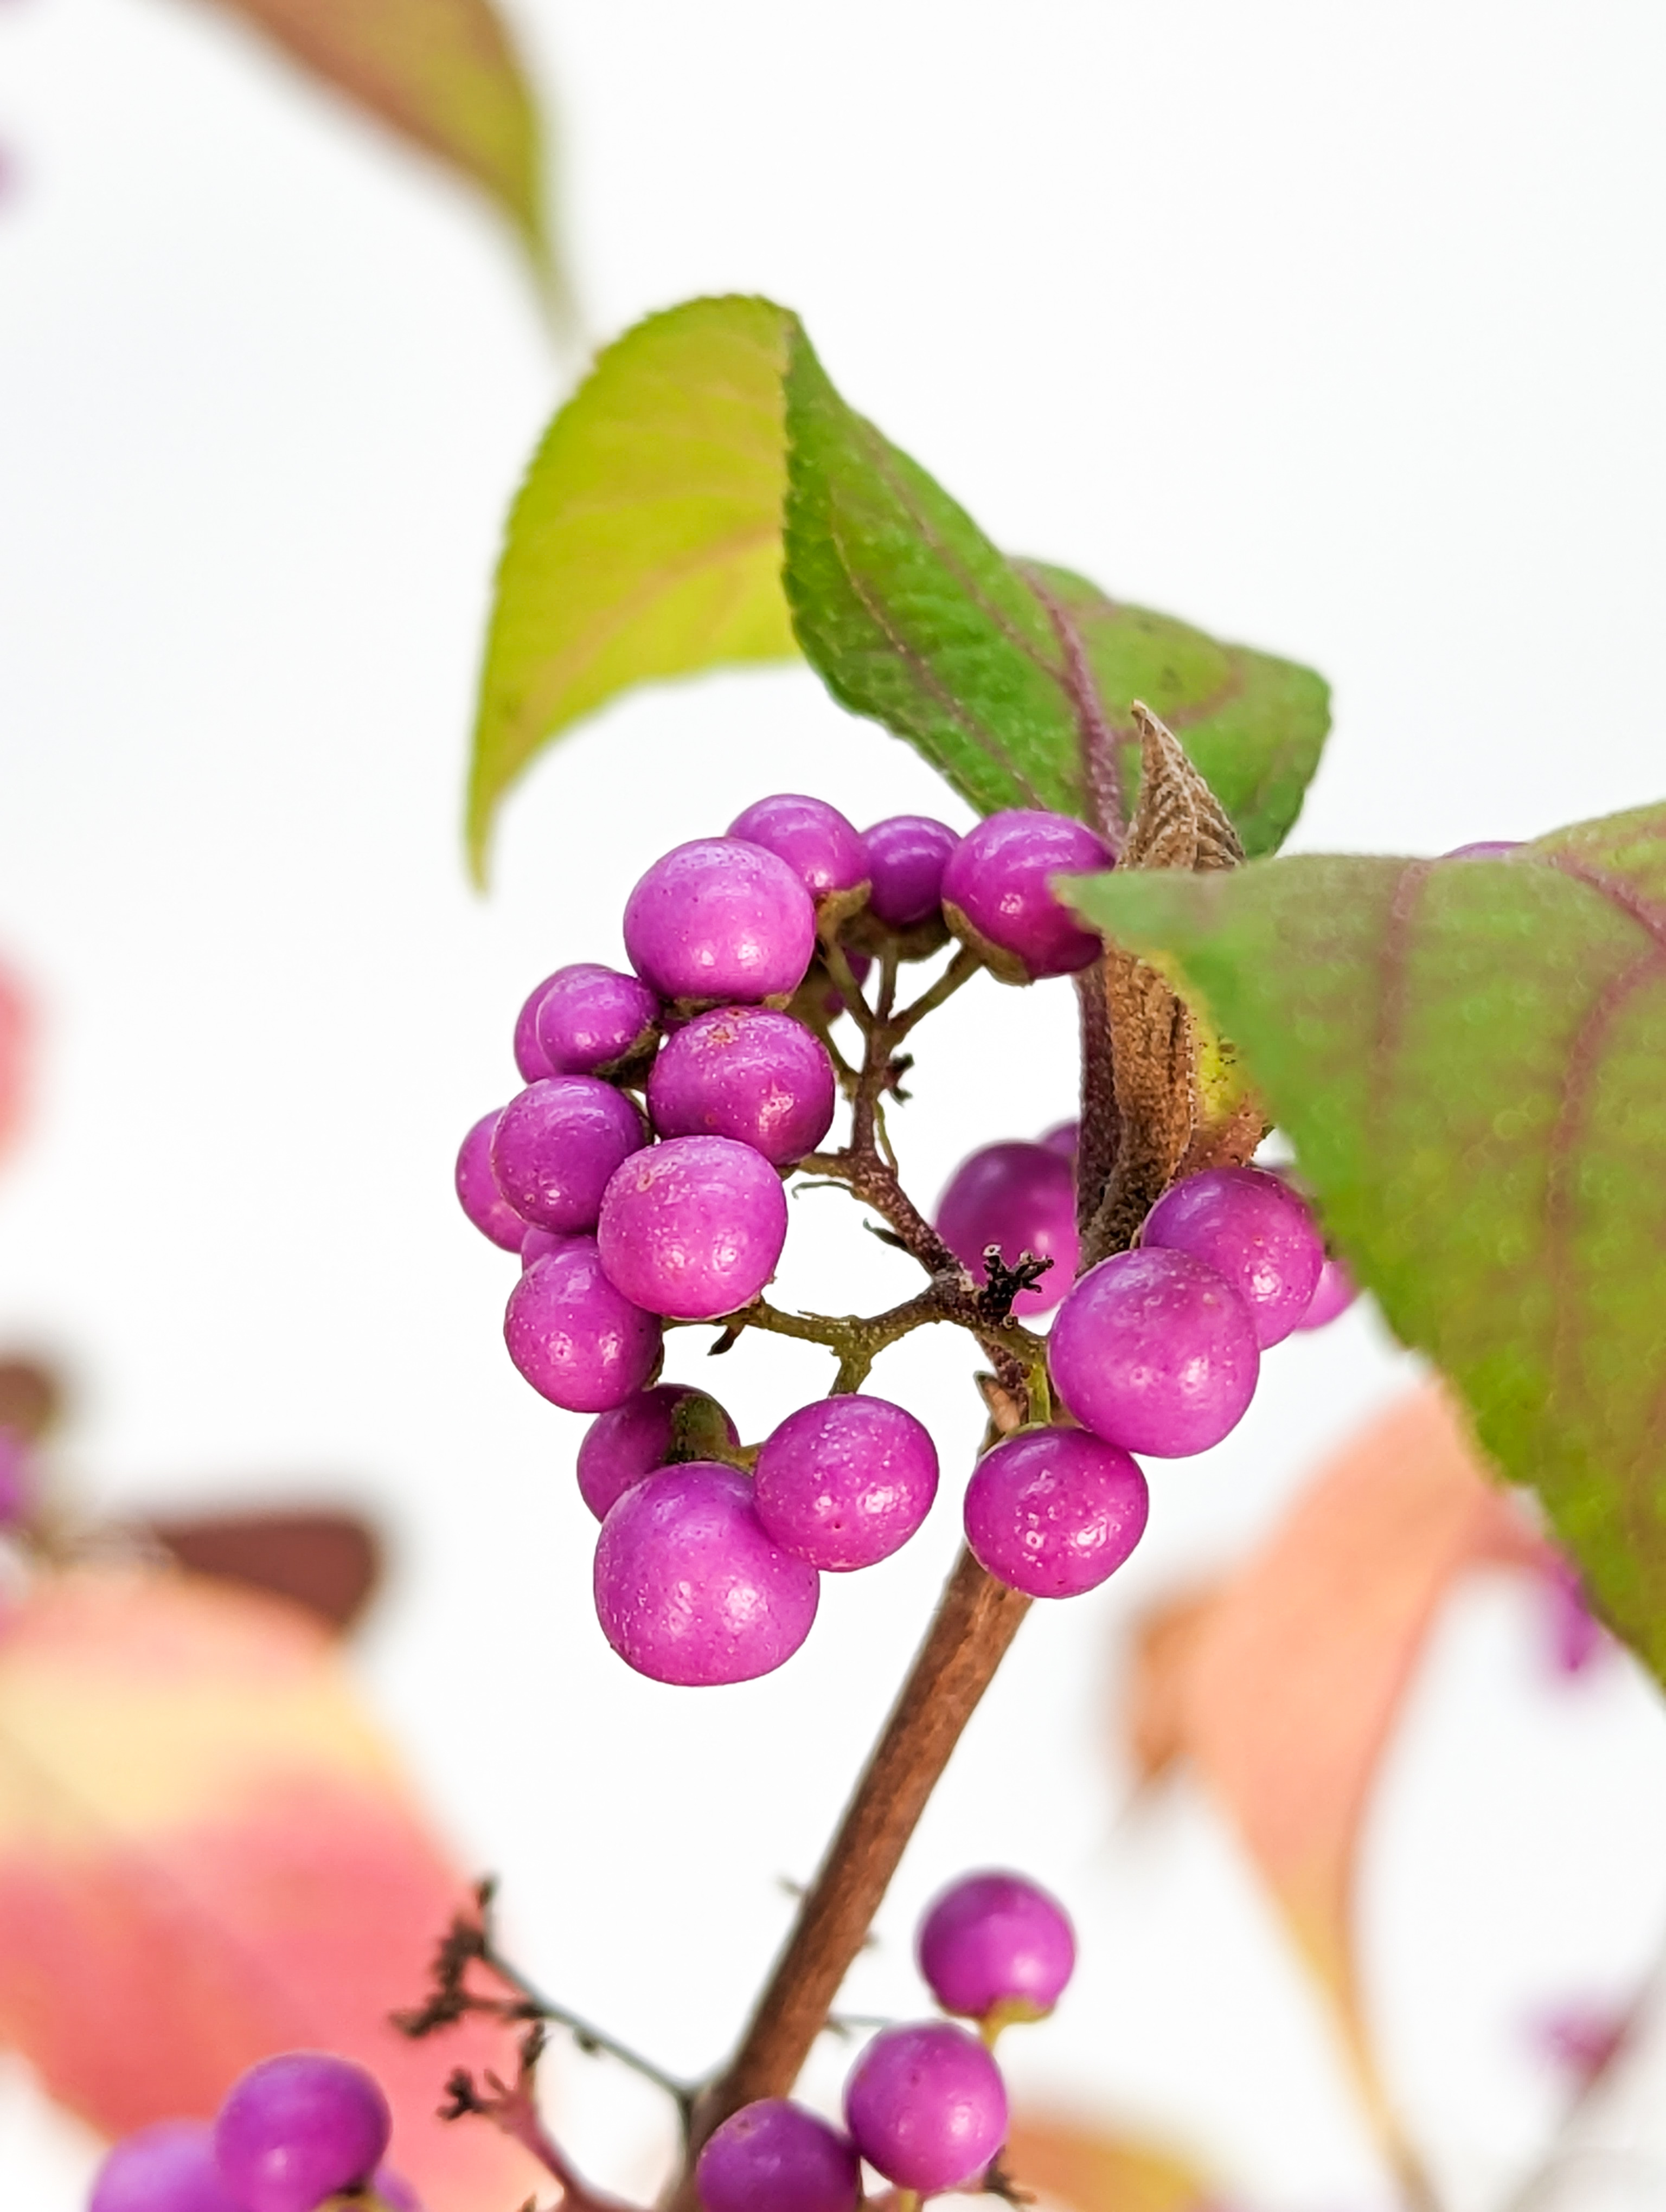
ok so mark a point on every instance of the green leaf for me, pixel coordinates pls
(646, 540)
(443, 74)
(1008, 674)
(1469, 1057)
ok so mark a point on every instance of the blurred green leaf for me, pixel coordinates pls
(444, 74)
(646, 540)
(1468, 1055)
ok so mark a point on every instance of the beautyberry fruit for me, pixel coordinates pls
(1053, 1512)
(997, 893)
(1253, 1229)
(774, 2156)
(299, 2128)
(748, 1073)
(1155, 1351)
(17, 1478)
(531, 1058)
(690, 1589)
(717, 920)
(579, 1342)
(1023, 1198)
(169, 2168)
(995, 1944)
(634, 1439)
(1484, 848)
(926, 2105)
(1333, 1294)
(477, 1192)
(814, 839)
(556, 1146)
(906, 856)
(1063, 1139)
(589, 1020)
(693, 1228)
(395, 2192)
(846, 1482)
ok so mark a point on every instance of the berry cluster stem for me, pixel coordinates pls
(976, 1619)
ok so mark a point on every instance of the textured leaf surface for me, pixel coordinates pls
(1468, 1056)
(444, 74)
(207, 1854)
(646, 540)
(1095, 2170)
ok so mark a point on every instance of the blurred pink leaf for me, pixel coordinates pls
(207, 1854)
(16, 1040)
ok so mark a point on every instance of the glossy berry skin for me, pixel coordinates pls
(1155, 1351)
(693, 1228)
(748, 1073)
(640, 1437)
(169, 2168)
(477, 1192)
(774, 2156)
(906, 856)
(296, 2128)
(579, 1342)
(1255, 1229)
(589, 1017)
(688, 1588)
(556, 1146)
(537, 1245)
(1333, 1294)
(1063, 1138)
(995, 890)
(1053, 1512)
(718, 920)
(845, 1482)
(531, 1059)
(1023, 1198)
(814, 839)
(994, 1943)
(395, 2192)
(926, 2105)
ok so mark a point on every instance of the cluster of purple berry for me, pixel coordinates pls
(295, 2132)
(925, 2104)
(639, 1176)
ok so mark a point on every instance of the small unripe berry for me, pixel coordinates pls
(169, 2168)
(719, 921)
(477, 1192)
(644, 1434)
(579, 1342)
(1054, 1511)
(774, 2156)
(556, 1146)
(1253, 1229)
(906, 856)
(1155, 1351)
(995, 1944)
(844, 1483)
(748, 1073)
(690, 1589)
(693, 1228)
(299, 2128)
(1023, 1198)
(814, 839)
(591, 1019)
(926, 2105)
(998, 895)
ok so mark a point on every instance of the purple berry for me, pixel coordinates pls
(1053, 1512)
(537, 1245)
(1155, 1351)
(997, 892)
(846, 1482)
(299, 2128)
(589, 1018)
(814, 839)
(395, 2192)
(688, 1588)
(906, 856)
(1252, 1228)
(996, 1943)
(1023, 1198)
(477, 1192)
(640, 1437)
(579, 1341)
(774, 2156)
(169, 2168)
(531, 1058)
(693, 1228)
(1484, 848)
(745, 1073)
(556, 1146)
(1334, 1293)
(17, 1479)
(1064, 1138)
(718, 920)
(926, 2106)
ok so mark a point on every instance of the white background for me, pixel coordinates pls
(1337, 329)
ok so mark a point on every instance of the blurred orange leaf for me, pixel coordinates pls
(1093, 2172)
(207, 1854)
